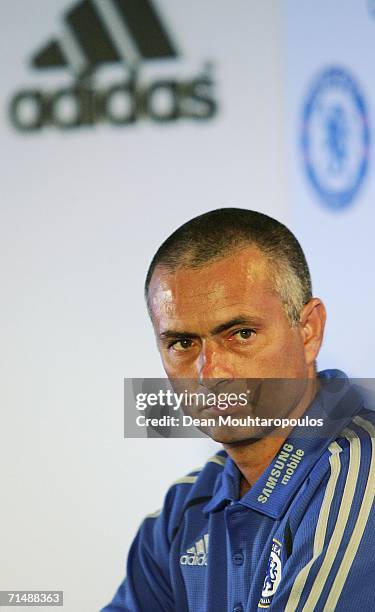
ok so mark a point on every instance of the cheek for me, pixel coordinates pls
(290, 359)
(282, 356)
(175, 366)
(164, 354)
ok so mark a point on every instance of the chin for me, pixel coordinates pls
(234, 436)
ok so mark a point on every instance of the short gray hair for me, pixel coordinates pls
(216, 234)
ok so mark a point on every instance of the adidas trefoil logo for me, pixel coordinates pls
(96, 33)
(197, 554)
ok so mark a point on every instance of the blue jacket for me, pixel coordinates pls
(302, 538)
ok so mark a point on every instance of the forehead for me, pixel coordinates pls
(237, 283)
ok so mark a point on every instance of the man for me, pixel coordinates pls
(279, 519)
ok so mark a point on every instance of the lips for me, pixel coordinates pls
(230, 410)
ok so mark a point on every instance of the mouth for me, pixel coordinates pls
(228, 411)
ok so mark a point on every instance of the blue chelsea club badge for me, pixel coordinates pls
(335, 137)
(273, 576)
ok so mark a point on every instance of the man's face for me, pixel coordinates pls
(224, 321)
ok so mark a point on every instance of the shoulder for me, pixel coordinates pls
(357, 439)
(348, 494)
(352, 453)
(339, 547)
(195, 487)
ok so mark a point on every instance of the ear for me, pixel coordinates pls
(312, 322)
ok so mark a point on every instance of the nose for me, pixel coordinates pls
(213, 365)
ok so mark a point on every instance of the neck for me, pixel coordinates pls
(254, 457)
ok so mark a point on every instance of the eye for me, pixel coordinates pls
(181, 345)
(242, 335)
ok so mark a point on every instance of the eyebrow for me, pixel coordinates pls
(239, 320)
(177, 335)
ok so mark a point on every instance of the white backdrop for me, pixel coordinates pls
(82, 213)
(339, 243)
